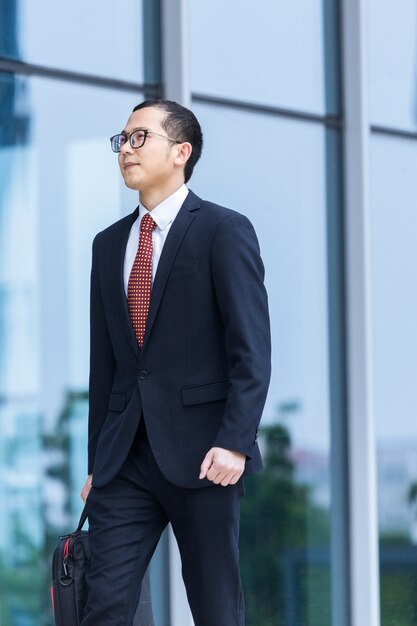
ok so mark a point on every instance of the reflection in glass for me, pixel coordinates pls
(54, 197)
(46, 32)
(394, 243)
(8, 29)
(264, 51)
(393, 63)
(279, 182)
(286, 570)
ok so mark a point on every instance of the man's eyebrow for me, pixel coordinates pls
(134, 129)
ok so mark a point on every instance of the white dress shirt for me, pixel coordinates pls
(163, 215)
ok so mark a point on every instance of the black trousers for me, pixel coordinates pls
(126, 519)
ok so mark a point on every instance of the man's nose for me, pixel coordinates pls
(126, 147)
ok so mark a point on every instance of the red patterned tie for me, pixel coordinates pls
(140, 279)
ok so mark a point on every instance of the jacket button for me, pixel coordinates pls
(143, 374)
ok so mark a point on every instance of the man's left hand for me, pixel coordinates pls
(222, 467)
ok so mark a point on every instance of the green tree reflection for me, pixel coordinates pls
(280, 529)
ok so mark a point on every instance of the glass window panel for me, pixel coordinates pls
(274, 170)
(394, 271)
(94, 37)
(59, 185)
(259, 52)
(392, 67)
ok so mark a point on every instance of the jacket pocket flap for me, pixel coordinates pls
(184, 269)
(117, 401)
(205, 393)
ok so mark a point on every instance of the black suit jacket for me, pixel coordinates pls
(201, 377)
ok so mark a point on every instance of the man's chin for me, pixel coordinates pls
(135, 186)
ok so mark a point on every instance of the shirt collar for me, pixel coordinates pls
(165, 212)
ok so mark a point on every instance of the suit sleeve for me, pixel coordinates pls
(102, 363)
(238, 276)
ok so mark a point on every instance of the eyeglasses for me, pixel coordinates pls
(137, 138)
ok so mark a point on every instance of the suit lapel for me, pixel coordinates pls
(173, 241)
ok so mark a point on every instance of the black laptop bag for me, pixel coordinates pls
(69, 565)
(69, 586)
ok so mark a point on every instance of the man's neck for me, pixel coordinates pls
(151, 198)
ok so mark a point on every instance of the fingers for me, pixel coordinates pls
(206, 464)
(86, 489)
(231, 480)
(225, 478)
(223, 467)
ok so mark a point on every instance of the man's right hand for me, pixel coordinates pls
(86, 489)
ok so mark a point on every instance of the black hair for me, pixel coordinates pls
(181, 124)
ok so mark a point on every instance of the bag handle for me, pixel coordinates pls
(83, 518)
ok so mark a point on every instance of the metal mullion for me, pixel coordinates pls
(152, 53)
(364, 571)
(331, 121)
(394, 132)
(31, 69)
(175, 73)
(175, 82)
(339, 464)
(336, 306)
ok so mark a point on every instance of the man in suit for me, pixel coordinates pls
(179, 371)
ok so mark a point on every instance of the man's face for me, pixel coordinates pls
(152, 165)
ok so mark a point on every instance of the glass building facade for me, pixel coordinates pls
(310, 119)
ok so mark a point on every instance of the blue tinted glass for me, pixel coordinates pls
(278, 179)
(8, 29)
(394, 271)
(392, 67)
(59, 185)
(272, 53)
(76, 36)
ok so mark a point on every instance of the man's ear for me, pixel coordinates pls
(183, 153)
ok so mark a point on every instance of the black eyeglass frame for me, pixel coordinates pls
(145, 131)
